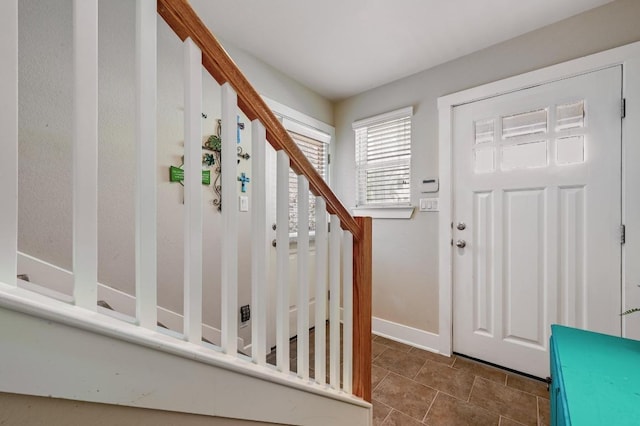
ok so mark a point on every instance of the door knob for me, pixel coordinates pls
(461, 243)
(274, 243)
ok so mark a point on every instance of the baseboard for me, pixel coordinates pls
(60, 280)
(405, 334)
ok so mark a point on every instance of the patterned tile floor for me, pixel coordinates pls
(416, 387)
(413, 387)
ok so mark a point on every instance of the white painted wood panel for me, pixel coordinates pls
(282, 261)
(544, 247)
(302, 340)
(347, 310)
(125, 368)
(229, 247)
(483, 286)
(523, 263)
(335, 239)
(259, 241)
(192, 192)
(146, 163)
(322, 266)
(85, 153)
(572, 257)
(9, 126)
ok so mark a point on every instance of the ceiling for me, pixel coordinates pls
(340, 48)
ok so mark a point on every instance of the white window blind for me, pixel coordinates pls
(316, 153)
(383, 159)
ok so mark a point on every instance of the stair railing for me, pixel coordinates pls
(356, 244)
(345, 251)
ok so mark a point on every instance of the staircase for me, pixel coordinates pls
(68, 347)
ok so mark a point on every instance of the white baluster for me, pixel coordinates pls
(193, 192)
(85, 153)
(282, 262)
(334, 302)
(347, 311)
(9, 157)
(303, 277)
(229, 198)
(320, 370)
(146, 97)
(259, 248)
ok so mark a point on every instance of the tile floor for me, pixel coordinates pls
(416, 387)
(413, 387)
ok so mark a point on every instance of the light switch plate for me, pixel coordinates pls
(244, 203)
(429, 205)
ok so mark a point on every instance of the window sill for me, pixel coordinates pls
(394, 212)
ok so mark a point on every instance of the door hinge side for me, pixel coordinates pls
(623, 108)
(623, 234)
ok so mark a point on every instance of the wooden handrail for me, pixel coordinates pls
(186, 24)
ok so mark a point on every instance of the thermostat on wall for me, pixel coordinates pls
(429, 185)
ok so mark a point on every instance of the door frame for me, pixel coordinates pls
(629, 57)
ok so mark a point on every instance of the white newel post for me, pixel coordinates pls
(85, 153)
(347, 311)
(334, 302)
(321, 290)
(146, 215)
(193, 192)
(282, 262)
(9, 126)
(303, 278)
(229, 199)
(259, 248)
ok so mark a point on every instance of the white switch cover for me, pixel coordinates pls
(429, 205)
(244, 203)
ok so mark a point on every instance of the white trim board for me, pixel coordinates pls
(297, 116)
(390, 212)
(628, 56)
(405, 334)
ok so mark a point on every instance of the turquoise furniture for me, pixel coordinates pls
(595, 378)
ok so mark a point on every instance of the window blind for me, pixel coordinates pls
(383, 158)
(316, 153)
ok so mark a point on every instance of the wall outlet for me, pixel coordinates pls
(245, 313)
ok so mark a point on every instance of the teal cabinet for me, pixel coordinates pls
(595, 378)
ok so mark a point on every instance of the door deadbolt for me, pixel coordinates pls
(461, 226)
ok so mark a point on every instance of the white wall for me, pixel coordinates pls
(45, 154)
(405, 257)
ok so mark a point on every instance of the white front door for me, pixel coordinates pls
(537, 216)
(271, 186)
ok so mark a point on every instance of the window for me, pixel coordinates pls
(531, 139)
(313, 137)
(316, 152)
(383, 159)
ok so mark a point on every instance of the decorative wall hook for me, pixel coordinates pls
(242, 154)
